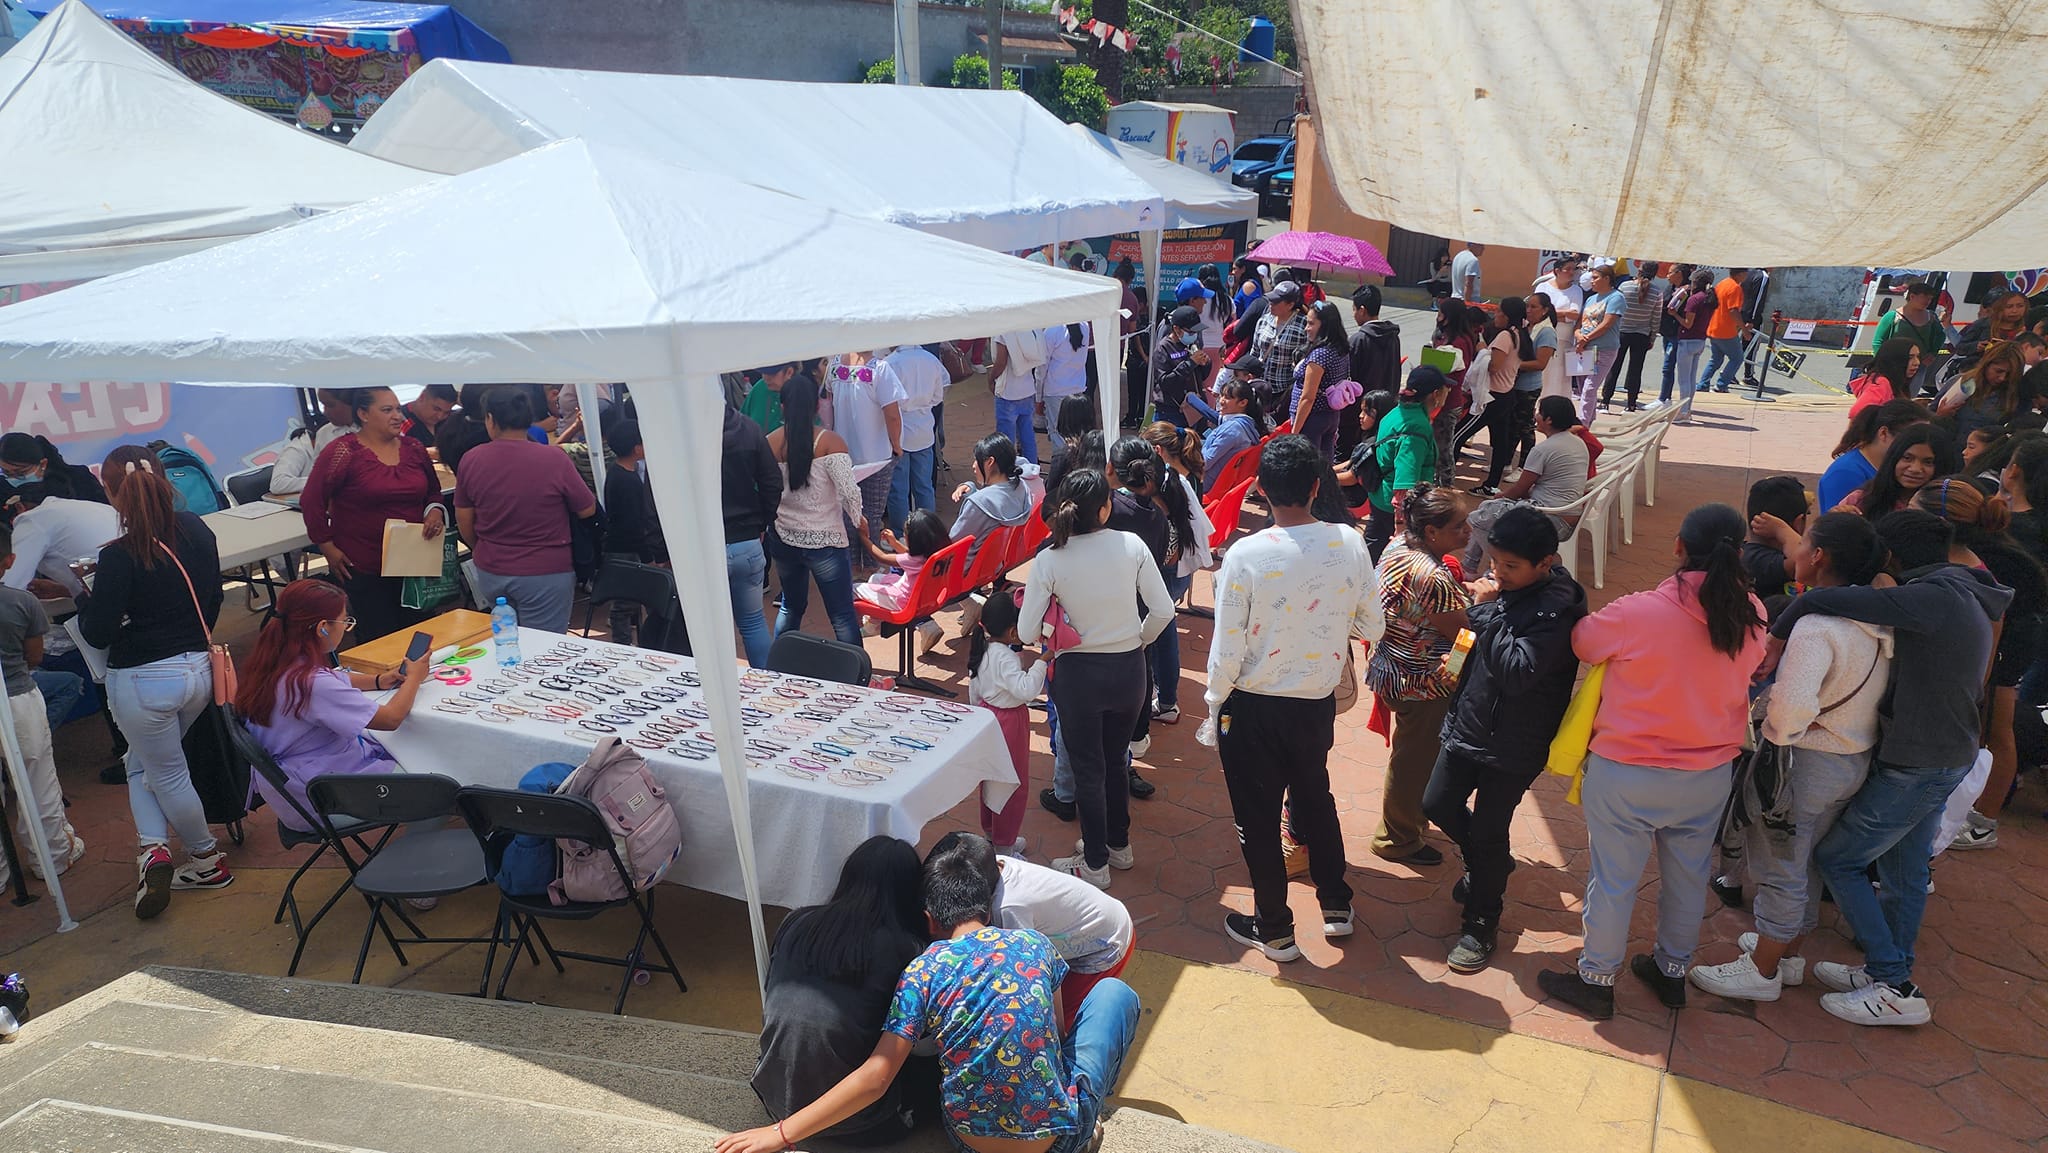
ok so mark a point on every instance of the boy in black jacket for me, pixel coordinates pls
(1516, 683)
(632, 530)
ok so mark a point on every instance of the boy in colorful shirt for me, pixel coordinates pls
(989, 998)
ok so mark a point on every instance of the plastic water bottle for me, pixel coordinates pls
(505, 632)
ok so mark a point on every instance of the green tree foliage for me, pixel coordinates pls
(882, 71)
(1071, 92)
(971, 71)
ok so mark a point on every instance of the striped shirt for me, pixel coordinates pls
(1645, 300)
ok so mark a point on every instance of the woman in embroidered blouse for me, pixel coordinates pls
(819, 497)
(372, 475)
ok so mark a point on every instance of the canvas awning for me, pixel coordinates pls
(1732, 132)
(625, 269)
(993, 169)
(112, 159)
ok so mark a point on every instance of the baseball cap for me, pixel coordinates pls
(1190, 289)
(1424, 380)
(1286, 290)
(1187, 318)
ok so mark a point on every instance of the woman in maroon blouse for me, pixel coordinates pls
(359, 482)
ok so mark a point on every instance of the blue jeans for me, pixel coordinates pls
(795, 568)
(1724, 355)
(89, 699)
(746, 572)
(1892, 823)
(911, 486)
(61, 693)
(1164, 653)
(1104, 1028)
(543, 602)
(1013, 419)
(1670, 370)
(154, 704)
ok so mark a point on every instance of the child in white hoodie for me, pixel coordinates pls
(1005, 677)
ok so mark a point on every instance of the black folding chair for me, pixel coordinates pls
(498, 815)
(825, 659)
(426, 862)
(651, 587)
(264, 764)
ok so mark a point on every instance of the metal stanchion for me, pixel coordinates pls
(1770, 353)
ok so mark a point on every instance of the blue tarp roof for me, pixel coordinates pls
(436, 30)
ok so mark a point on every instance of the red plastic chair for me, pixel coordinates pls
(986, 565)
(1025, 540)
(1286, 426)
(1225, 513)
(1237, 469)
(927, 593)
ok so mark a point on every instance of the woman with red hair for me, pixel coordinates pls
(313, 718)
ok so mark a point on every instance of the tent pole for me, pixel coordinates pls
(683, 422)
(593, 434)
(1151, 240)
(17, 767)
(1109, 383)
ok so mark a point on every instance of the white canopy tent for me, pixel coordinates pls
(111, 159)
(1194, 199)
(1735, 133)
(624, 268)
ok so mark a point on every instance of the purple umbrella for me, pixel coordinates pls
(1322, 250)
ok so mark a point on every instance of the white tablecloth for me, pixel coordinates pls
(245, 540)
(803, 828)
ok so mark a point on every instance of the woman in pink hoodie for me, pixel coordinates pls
(1672, 715)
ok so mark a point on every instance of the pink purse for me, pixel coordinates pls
(1059, 635)
(217, 655)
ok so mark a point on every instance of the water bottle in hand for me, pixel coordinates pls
(505, 632)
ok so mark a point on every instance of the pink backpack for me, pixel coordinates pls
(644, 827)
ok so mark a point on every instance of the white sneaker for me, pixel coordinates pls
(1140, 747)
(1791, 970)
(871, 627)
(1077, 866)
(1980, 833)
(1841, 978)
(1878, 1004)
(1738, 980)
(207, 872)
(1013, 849)
(63, 856)
(1118, 858)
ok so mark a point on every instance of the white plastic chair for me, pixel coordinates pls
(1591, 511)
(1625, 470)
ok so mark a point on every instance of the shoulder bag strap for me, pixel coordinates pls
(173, 554)
(1867, 674)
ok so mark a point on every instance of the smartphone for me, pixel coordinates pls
(422, 644)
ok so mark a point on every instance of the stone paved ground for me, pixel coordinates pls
(1976, 1079)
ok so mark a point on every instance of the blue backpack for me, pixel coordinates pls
(198, 492)
(530, 864)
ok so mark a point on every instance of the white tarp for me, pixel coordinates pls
(1193, 199)
(992, 169)
(572, 263)
(111, 159)
(1719, 131)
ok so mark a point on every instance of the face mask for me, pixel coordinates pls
(25, 479)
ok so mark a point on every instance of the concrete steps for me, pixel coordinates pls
(168, 1060)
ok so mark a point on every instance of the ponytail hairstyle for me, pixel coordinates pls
(1515, 311)
(799, 413)
(146, 502)
(1083, 452)
(1181, 448)
(1711, 536)
(998, 450)
(1238, 389)
(1077, 336)
(1219, 300)
(1137, 466)
(998, 617)
(1854, 554)
(1891, 416)
(1961, 503)
(1428, 506)
(279, 670)
(1077, 506)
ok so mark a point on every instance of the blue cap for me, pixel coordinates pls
(1190, 289)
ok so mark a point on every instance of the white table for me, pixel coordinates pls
(804, 824)
(247, 540)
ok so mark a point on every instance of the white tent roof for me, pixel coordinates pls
(992, 169)
(15, 22)
(1736, 133)
(1194, 199)
(113, 159)
(620, 268)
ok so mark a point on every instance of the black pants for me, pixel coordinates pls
(1501, 424)
(1635, 349)
(373, 601)
(1379, 531)
(1276, 748)
(1099, 697)
(1481, 831)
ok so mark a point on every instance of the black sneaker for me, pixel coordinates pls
(1142, 788)
(1051, 803)
(1670, 990)
(1475, 948)
(1424, 857)
(115, 773)
(1575, 992)
(1729, 892)
(1461, 891)
(1245, 931)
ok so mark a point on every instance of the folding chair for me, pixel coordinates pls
(423, 863)
(926, 595)
(264, 764)
(1228, 511)
(651, 587)
(822, 658)
(495, 816)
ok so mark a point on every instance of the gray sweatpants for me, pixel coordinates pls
(1781, 863)
(1630, 811)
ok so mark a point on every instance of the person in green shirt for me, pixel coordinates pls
(764, 400)
(1406, 450)
(1916, 320)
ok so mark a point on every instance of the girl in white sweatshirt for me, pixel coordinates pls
(1004, 678)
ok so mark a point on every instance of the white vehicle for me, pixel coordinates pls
(1200, 136)
(1884, 289)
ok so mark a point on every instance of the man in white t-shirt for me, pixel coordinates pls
(1465, 272)
(1289, 600)
(1013, 372)
(924, 381)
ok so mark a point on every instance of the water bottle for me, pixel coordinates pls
(505, 632)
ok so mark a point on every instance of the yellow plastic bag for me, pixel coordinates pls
(1575, 733)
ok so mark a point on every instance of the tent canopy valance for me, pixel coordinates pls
(427, 30)
(114, 160)
(993, 169)
(1194, 199)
